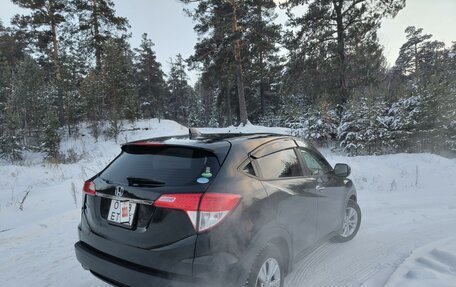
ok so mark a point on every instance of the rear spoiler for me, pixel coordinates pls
(220, 150)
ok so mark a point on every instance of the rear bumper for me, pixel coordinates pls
(118, 272)
(173, 265)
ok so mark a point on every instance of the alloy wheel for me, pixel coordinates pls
(269, 274)
(350, 222)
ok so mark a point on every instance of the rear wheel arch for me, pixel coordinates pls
(284, 248)
(270, 251)
(277, 236)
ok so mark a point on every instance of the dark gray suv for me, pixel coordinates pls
(214, 209)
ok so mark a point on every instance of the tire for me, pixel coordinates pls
(268, 257)
(352, 217)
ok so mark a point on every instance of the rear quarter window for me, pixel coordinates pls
(173, 166)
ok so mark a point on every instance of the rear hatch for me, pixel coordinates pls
(136, 178)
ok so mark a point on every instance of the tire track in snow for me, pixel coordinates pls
(373, 250)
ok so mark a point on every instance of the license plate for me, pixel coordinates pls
(122, 212)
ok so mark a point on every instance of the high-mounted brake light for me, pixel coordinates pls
(147, 143)
(89, 188)
(212, 207)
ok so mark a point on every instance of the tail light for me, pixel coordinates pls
(186, 202)
(89, 188)
(212, 208)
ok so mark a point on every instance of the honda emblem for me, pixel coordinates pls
(119, 191)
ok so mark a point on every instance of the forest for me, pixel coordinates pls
(323, 74)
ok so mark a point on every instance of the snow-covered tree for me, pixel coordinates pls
(316, 124)
(363, 128)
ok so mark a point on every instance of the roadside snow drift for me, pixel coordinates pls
(408, 201)
(431, 265)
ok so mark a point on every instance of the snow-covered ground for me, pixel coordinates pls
(431, 265)
(406, 238)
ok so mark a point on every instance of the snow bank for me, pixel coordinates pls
(401, 172)
(431, 265)
(48, 189)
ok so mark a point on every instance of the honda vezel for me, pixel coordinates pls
(212, 210)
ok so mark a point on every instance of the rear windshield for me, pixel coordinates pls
(168, 166)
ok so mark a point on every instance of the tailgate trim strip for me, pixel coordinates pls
(132, 200)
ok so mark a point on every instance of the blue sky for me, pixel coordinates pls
(172, 31)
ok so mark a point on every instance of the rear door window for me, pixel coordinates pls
(281, 164)
(161, 166)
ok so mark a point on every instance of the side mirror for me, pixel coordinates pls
(342, 170)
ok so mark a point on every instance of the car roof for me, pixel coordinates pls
(208, 139)
(219, 143)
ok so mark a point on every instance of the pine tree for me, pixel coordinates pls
(446, 98)
(181, 97)
(117, 81)
(94, 102)
(221, 48)
(5, 67)
(401, 119)
(11, 53)
(320, 125)
(72, 75)
(353, 125)
(50, 143)
(205, 99)
(364, 126)
(422, 64)
(42, 25)
(263, 65)
(98, 21)
(152, 93)
(10, 140)
(330, 30)
(29, 98)
(411, 53)
(41, 29)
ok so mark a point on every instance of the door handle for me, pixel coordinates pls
(320, 188)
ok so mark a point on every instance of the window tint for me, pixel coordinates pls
(169, 165)
(314, 164)
(281, 164)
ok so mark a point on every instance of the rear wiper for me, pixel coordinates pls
(137, 181)
(105, 180)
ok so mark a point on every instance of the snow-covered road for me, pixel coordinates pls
(409, 221)
(41, 254)
(393, 226)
